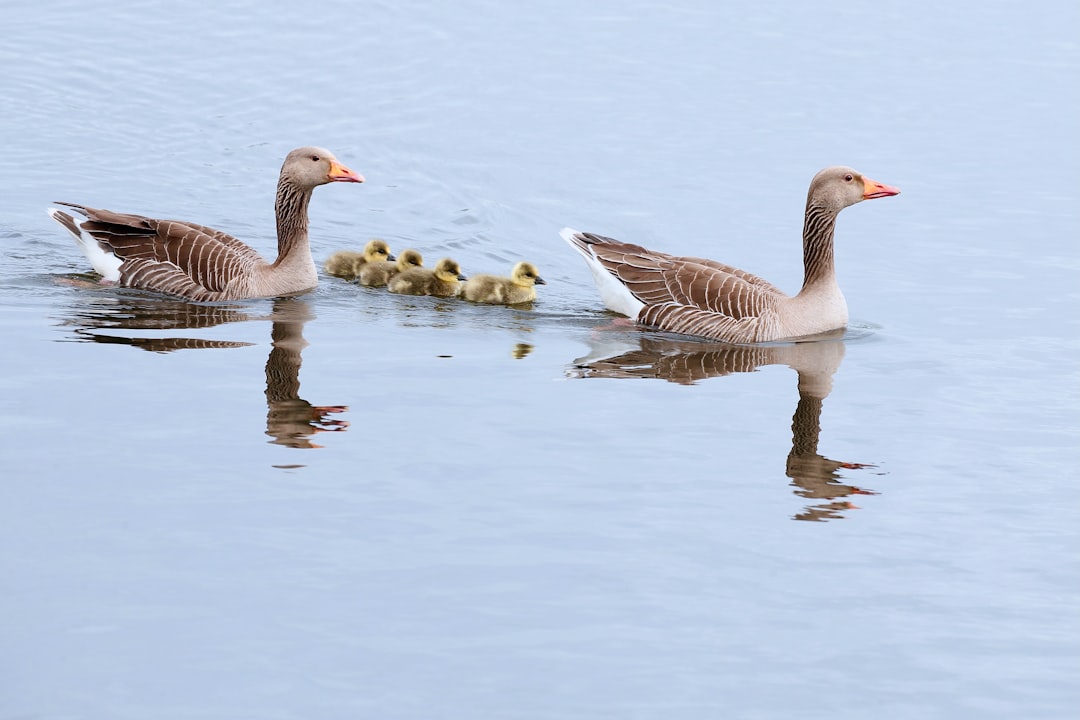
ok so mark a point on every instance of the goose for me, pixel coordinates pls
(442, 281)
(378, 274)
(346, 264)
(520, 287)
(194, 262)
(707, 299)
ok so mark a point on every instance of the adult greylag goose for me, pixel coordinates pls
(346, 264)
(705, 298)
(444, 280)
(520, 287)
(378, 274)
(198, 263)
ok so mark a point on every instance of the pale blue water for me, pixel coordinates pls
(502, 521)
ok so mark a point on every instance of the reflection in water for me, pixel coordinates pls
(686, 362)
(290, 420)
(145, 313)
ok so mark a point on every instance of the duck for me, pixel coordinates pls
(520, 287)
(194, 262)
(708, 299)
(378, 274)
(346, 264)
(444, 280)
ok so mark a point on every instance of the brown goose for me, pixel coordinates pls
(346, 264)
(378, 274)
(195, 262)
(520, 287)
(442, 281)
(705, 298)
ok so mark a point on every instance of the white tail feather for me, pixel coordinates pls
(105, 263)
(613, 293)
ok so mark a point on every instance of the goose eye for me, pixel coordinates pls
(849, 177)
(315, 158)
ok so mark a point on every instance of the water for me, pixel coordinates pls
(352, 504)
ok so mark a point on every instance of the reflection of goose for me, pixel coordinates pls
(704, 298)
(99, 322)
(441, 281)
(682, 361)
(199, 263)
(290, 420)
(347, 264)
(688, 362)
(814, 476)
(519, 288)
(378, 274)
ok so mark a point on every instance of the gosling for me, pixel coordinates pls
(443, 281)
(347, 263)
(520, 287)
(378, 274)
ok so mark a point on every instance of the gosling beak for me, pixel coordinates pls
(340, 173)
(390, 257)
(461, 277)
(540, 281)
(873, 189)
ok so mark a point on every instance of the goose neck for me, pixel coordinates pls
(291, 210)
(818, 261)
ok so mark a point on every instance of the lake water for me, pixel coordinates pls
(358, 505)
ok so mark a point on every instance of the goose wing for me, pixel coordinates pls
(698, 287)
(172, 256)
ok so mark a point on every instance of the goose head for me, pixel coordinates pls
(837, 187)
(526, 275)
(309, 167)
(448, 270)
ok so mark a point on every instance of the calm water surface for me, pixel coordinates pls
(351, 504)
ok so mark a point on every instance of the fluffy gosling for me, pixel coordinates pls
(347, 263)
(443, 281)
(378, 274)
(520, 287)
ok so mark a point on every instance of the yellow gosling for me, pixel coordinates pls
(347, 263)
(443, 281)
(520, 287)
(378, 274)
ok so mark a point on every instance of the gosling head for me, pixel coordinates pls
(448, 270)
(526, 275)
(377, 250)
(410, 259)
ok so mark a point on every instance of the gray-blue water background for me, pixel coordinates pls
(504, 519)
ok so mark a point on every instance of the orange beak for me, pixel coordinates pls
(340, 173)
(873, 189)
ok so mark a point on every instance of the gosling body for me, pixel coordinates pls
(347, 264)
(444, 280)
(378, 274)
(519, 288)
